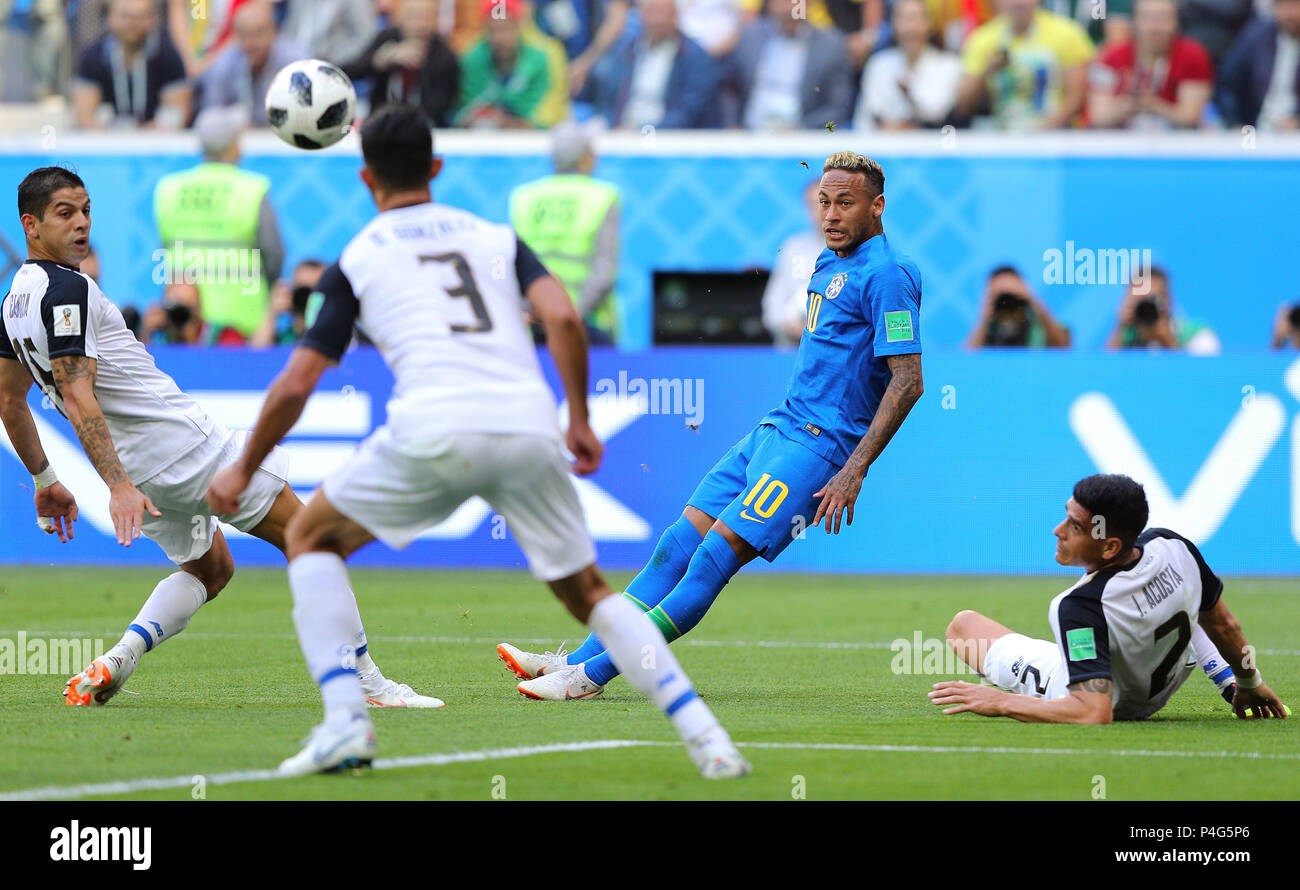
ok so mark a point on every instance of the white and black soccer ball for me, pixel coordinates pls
(311, 104)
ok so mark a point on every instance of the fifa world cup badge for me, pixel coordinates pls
(837, 284)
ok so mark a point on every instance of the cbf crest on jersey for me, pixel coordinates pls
(837, 284)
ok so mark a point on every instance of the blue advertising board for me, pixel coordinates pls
(975, 480)
(957, 214)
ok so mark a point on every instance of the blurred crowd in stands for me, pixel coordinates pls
(764, 65)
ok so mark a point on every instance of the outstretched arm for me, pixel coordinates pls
(1088, 702)
(74, 376)
(840, 493)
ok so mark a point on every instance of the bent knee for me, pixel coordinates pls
(961, 626)
(301, 536)
(215, 578)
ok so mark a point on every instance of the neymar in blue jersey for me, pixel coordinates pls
(856, 376)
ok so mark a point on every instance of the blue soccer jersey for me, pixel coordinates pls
(862, 308)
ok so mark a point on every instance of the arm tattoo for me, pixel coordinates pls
(1096, 684)
(94, 436)
(905, 387)
(71, 369)
(73, 373)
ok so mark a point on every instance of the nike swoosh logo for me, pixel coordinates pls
(568, 697)
(744, 514)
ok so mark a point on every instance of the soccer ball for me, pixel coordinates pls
(311, 104)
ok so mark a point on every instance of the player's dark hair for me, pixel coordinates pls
(1006, 269)
(1119, 500)
(38, 187)
(397, 144)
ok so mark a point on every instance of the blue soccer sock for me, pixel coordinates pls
(666, 567)
(712, 566)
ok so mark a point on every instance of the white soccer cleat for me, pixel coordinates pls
(333, 748)
(566, 684)
(101, 680)
(391, 694)
(528, 665)
(715, 755)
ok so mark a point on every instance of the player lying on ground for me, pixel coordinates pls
(153, 446)
(856, 376)
(471, 416)
(1124, 632)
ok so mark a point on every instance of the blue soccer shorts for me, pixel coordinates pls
(762, 489)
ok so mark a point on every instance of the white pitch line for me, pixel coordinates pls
(550, 641)
(129, 786)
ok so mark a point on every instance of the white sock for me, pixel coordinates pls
(325, 614)
(165, 613)
(639, 651)
(1212, 663)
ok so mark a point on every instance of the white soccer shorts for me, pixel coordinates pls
(1026, 666)
(524, 477)
(185, 529)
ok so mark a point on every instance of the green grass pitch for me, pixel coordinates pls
(232, 694)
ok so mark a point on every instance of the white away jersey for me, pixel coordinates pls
(1133, 624)
(52, 311)
(440, 292)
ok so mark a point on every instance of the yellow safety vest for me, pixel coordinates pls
(209, 214)
(559, 218)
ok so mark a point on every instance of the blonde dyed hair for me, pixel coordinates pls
(852, 162)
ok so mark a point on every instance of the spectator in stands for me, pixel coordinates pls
(286, 316)
(1259, 83)
(337, 31)
(33, 41)
(217, 219)
(786, 74)
(241, 73)
(1286, 327)
(1147, 320)
(1012, 315)
(132, 76)
(785, 300)
(612, 25)
(865, 24)
(912, 84)
(410, 64)
(1214, 24)
(572, 23)
(1029, 67)
(503, 79)
(659, 77)
(178, 319)
(955, 20)
(199, 31)
(555, 105)
(716, 25)
(1157, 80)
